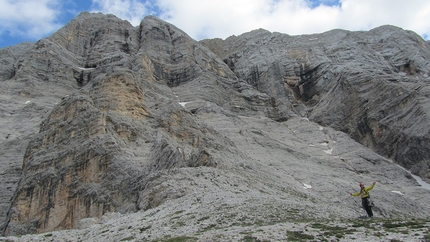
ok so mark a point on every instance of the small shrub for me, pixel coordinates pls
(335, 231)
(178, 239)
(426, 238)
(413, 224)
(249, 238)
(299, 236)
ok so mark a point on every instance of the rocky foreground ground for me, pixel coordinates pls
(170, 223)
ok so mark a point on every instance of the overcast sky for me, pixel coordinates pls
(31, 20)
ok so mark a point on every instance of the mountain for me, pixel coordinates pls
(104, 118)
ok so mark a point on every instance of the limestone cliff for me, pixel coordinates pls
(106, 117)
(371, 85)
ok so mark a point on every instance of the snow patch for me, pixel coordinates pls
(27, 102)
(183, 104)
(86, 69)
(329, 151)
(307, 186)
(420, 181)
(398, 192)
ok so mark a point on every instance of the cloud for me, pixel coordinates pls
(29, 18)
(34, 19)
(222, 18)
(132, 10)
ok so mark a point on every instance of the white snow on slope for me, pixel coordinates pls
(329, 151)
(420, 181)
(183, 104)
(306, 186)
(398, 192)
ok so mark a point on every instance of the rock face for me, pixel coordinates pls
(374, 85)
(106, 117)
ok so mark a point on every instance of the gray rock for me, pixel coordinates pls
(124, 119)
(366, 84)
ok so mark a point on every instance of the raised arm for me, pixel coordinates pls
(371, 187)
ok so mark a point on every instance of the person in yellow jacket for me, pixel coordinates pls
(364, 192)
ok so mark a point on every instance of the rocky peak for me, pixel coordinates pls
(116, 118)
(318, 69)
(96, 28)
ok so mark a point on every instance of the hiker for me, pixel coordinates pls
(364, 192)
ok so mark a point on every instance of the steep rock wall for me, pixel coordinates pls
(372, 85)
(120, 117)
(121, 121)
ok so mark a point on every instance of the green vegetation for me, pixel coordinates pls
(249, 238)
(310, 229)
(177, 239)
(361, 223)
(412, 224)
(427, 237)
(328, 231)
(299, 236)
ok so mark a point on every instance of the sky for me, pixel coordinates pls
(31, 20)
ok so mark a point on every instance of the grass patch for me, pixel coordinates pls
(299, 236)
(250, 238)
(412, 224)
(362, 223)
(426, 237)
(379, 226)
(379, 234)
(333, 231)
(177, 239)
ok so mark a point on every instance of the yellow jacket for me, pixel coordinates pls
(364, 192)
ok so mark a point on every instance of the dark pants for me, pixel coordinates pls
(365, 204)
